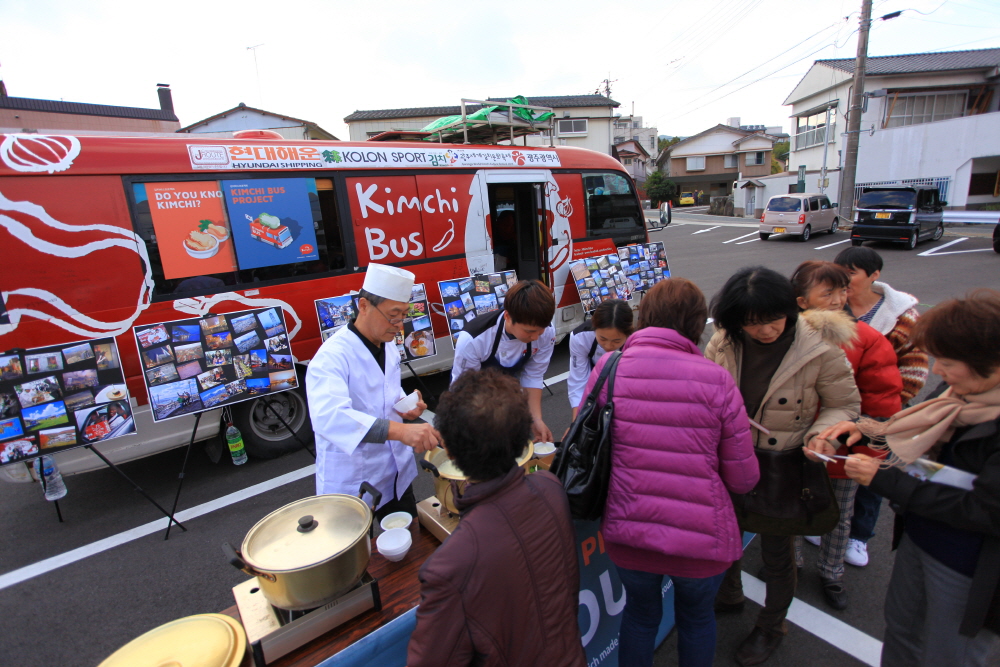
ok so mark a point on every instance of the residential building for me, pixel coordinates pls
(636, 160)
(630, 128)
(30, 115)
(581, 120)
(928, 118)
(708, 163)
(242, 117)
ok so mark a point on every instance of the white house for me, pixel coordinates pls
(242, 117)
(929, 118)
(581, 120)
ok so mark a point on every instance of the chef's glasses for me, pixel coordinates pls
(394, 321)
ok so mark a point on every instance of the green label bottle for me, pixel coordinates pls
(235, 440)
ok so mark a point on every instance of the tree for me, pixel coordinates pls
(667, 143)
(659, 188)
(779, 155)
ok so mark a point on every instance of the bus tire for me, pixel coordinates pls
(264, 436)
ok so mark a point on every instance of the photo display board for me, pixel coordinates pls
(415, 341)
(465, 299)
(207, 362)
(645, 263)
(600, 279)
(60, 397)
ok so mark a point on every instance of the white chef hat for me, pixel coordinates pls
(389, 282)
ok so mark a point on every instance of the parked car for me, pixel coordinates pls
(798, 214)
(686, 199)
(996, 238)
(904, 215)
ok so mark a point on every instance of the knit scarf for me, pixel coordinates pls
(911, 433)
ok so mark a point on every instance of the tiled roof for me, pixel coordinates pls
(554, 102)
(921, 62)
(79, 108)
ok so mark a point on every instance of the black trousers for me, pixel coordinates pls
(407, 503)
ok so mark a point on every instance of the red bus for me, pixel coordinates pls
(100, 234)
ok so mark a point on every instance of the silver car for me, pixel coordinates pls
(798, 214)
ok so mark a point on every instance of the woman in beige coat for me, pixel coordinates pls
(795, 382)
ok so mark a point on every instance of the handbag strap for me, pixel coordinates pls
(608, 370)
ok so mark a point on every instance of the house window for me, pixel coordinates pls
(627, 161)
(904, 110)
(652, 142)
(696, 163)
(812, 130)
(756, 158)
(576, 126)
(732, 161)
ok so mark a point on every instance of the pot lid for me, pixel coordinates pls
(205, 640)
(307, 532)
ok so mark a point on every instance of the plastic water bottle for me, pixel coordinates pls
(55, 488)
(235, 440)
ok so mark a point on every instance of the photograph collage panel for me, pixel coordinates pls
(645, 264)
(465, 299)
(600, 279)
(62, 396)
(415, 341)
(203, 363)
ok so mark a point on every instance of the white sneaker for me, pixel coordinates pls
(813, 539)
(857, 553)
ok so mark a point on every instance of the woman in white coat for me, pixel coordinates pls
(352, 385)
(606, 331)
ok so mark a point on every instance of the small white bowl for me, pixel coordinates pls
(394, 543)
(543, 449)
(396, 520)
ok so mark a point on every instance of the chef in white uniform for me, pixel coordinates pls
(352, 384)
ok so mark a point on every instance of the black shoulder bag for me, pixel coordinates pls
(583, 462)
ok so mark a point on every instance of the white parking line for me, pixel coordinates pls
(816, 622)
(739, 237)
(937, 251)
(750, 241)
(705, 230)
(22, 574)
(830, 245)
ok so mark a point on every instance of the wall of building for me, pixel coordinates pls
(17, 120)
(245, 119)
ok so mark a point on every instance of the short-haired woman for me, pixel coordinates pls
(823, 286)
(943, 602)
(795, 382)
(680, 444)
(605, 331)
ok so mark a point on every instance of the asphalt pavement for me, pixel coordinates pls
(72, 592)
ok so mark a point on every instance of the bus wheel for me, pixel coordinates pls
(264, 436)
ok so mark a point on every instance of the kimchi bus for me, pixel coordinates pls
(101, 234)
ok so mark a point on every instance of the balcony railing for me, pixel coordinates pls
(814, 137)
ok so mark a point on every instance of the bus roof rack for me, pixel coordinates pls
(491, 123)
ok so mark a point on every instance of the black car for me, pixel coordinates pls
(905, 215)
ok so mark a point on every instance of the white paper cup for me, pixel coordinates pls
(407, 403)
(396, 520)
(393, 544)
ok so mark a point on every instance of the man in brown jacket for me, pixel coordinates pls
(502, 589)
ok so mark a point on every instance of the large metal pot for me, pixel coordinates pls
(449, 479)
(310, 552)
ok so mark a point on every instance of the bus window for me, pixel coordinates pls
(211, 236)
(612, 208)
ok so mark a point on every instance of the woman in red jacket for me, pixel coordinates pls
(823, 286)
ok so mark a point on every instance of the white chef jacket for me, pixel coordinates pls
(347, 391)
(580, 365)
(470, 353)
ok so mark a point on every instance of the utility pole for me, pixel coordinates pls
(847, 176)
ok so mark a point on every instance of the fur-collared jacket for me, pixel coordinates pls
(813, 387)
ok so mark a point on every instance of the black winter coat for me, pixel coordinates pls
(975, 449)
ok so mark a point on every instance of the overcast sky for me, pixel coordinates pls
(680, 62)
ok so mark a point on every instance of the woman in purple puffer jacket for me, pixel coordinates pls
(680, 444)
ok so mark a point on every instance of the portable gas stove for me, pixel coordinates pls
(433, 516)
(274, 632)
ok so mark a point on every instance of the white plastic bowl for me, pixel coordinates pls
(394, 543)
(396, 520)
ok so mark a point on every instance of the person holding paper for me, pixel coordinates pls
(942, 606)
(795, 382)
(352, 384)
(518, 341)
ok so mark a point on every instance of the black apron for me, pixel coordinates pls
(483, 323)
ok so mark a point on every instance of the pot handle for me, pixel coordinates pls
(236, 560)
(372, 491)
(429, 467)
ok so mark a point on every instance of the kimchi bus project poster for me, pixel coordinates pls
(60, 397)
(415, 341)
(205, 363)
(465, 299)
